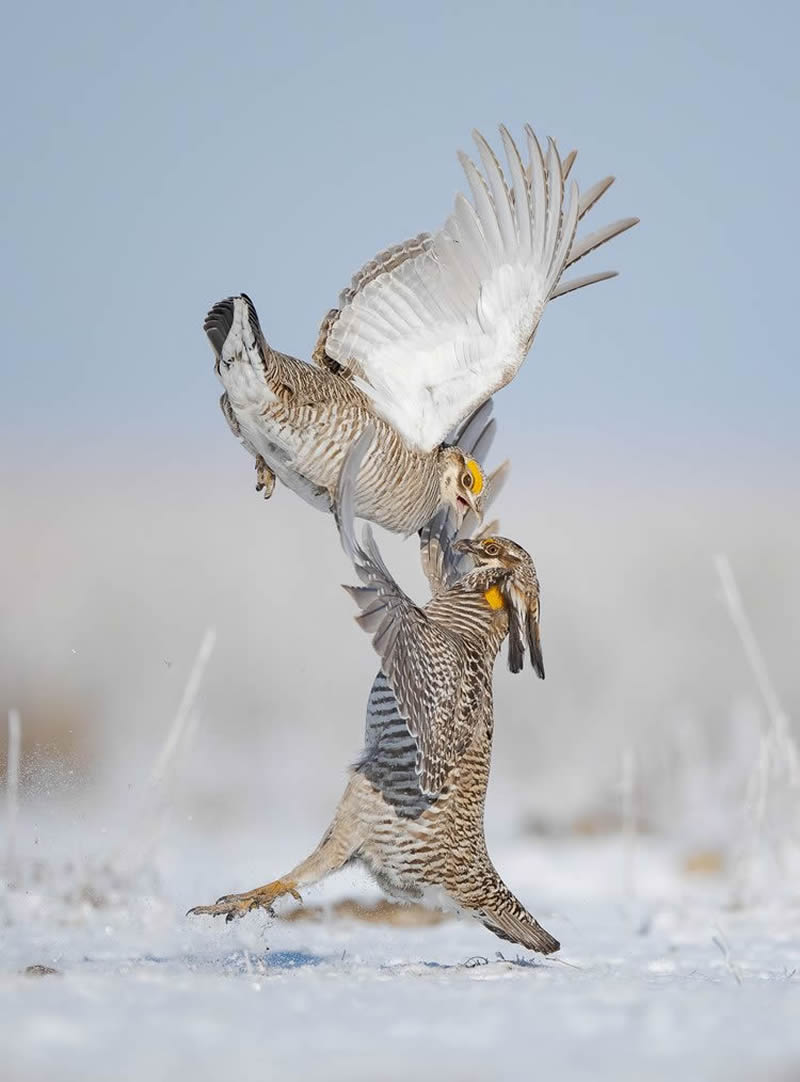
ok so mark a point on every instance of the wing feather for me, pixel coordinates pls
(578, 283)
(431, 329)
(591, 195)
(502, 204)
(383, 263)
(538, 189)
(422, 660)
(568, 163)
(467, 435)
(480, 447)
(600, 236)
(487, 218)
(472, 239)
(522, 209)
(555, 196)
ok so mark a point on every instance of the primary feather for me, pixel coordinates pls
(432, 328)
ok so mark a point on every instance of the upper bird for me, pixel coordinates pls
(424, 335)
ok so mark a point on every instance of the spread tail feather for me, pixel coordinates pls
(233, 329)
(242, 357)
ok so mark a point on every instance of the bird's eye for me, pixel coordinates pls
(492, 550)
(467, 480)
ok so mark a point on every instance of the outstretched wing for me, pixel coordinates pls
(437, 333)
(422, 660)
(383, 263)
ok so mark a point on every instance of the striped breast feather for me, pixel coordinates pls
(423, 661)
(433, 337)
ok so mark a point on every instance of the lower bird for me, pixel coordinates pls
(412, 811)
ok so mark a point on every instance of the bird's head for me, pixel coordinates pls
(497, 552)
(514, 587)
(461, 483)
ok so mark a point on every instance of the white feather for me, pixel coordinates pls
(439, 333)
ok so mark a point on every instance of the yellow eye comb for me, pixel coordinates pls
(477, 476)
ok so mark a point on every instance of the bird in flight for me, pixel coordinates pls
(423, 337)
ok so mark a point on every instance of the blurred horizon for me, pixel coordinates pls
(164, 156)
(643, 799)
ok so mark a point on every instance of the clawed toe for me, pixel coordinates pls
(237, 905)
(201, 910)
(228, 907)
(265, 478)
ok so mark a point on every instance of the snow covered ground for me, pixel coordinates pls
(658, 977)
(679, 958)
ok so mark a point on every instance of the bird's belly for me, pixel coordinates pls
(311, 445)
(290, 451)
(403, 854)
(306, 448)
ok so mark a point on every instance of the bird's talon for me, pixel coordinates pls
(238, 905)
(265, 478)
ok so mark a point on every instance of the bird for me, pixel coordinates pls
(412, 811)
(424, 335)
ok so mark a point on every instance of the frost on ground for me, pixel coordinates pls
(658, 977)
(678, 919)
(677, 960)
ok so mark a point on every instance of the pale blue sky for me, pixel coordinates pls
(160, 156)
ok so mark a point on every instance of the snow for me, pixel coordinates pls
(656, 978)
(678, 919)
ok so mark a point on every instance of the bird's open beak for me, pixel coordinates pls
(469, 502)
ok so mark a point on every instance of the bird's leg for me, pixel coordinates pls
(236, 905)
(265, 478)
(339, 844)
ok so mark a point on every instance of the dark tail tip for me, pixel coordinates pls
(535, 645)
(549, 943)
(218, 323)
(524, 930)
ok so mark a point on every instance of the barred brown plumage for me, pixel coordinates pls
(424, 335)
(405, 367)
(412, 812)
(298, 421)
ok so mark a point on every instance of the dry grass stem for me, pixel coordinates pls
(12, 791)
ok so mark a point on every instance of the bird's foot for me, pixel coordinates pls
(237, 905)
(265, 478)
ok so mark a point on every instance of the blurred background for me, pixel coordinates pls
(159, 157)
